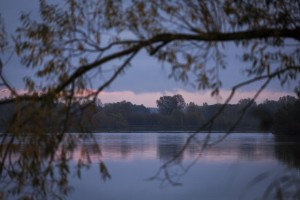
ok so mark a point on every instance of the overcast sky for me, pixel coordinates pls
(146, 80)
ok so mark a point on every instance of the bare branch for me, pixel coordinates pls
(205, 144)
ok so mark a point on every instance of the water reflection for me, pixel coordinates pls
(136, 153)
(163, 146)
(259, 157)
(124, 146)
(285, 184)
(287, 150)
(168, 146)
(250, 154)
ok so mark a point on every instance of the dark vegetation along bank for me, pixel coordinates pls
(171, 114)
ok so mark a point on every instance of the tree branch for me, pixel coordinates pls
(167, 164)
(165, 38)
(168, 37)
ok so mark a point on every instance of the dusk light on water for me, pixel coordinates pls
(149, 99)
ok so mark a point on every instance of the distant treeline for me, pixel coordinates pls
(172, 114)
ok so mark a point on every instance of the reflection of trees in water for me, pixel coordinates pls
(253, 148)
(168, 146)
(123, 145)
(35, 171)
(287, 151)
(117, 144)
(247, 148)
(286, 184)
(239, 146)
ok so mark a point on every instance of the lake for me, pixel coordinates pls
(143, 166)
(155, 166)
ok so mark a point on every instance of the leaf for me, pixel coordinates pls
(223, 46)
(254, 46)
(80, 47)
(279, 194)
(103, 170)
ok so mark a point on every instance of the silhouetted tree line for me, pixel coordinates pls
(173, 114)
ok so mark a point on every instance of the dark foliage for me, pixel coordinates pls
(280, 116)
(287, 120)
(169, 104)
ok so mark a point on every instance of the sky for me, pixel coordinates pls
(146, 80)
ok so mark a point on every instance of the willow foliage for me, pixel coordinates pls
(75, 41)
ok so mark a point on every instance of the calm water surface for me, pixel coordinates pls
(240, 167)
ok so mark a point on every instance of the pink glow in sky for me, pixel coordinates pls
(146, 80)
(148, 99)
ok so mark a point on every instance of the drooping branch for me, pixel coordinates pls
(66, 41)
(168, 37)
(229, 98)
(165, 167)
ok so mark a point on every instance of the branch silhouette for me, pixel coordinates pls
(207, 143)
